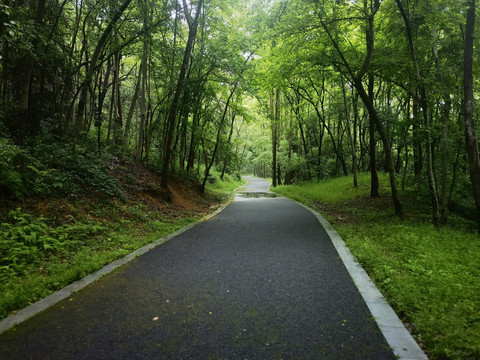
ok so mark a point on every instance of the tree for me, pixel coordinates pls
(91, 68)
(470, 136)
(172, 115)
(426, 114)
(357, 80)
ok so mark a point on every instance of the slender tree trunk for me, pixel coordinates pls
(117, 106)
(447, 105)
(386, 146)
(277, 132)
(101, 99)
(91, 67)
(349, 133)
(143, 114)
(274, 142)
(225, 160)
(470, 136)
(110, 116)
(218, 139)
(288, 174)
(426, 116)
(417, 144)
(172, 115)
(340, 153)
(193, 140)
(25, 80)
(128, 120)
(305, 148)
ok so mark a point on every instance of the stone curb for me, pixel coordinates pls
(400, 340)
(62, 294)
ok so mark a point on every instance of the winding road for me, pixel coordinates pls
(260, 280)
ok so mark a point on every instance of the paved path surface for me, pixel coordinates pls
(261, 280)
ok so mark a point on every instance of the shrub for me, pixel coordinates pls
(61, 171)
(10, 176)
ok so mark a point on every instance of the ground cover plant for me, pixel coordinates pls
(52, 241)
(429, 276)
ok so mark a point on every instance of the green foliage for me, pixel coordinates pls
(429, 276)
(223, 188)
(48, 167)
(213, 178)
(62, 172)
(37, 258)
(330, 190)
(26, 239)
(10, 176)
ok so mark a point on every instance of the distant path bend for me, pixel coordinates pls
(261, 280)
(255, 184)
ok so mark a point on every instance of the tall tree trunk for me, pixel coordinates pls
(274, 141)
(101, 99)
(26, 78)
(349, 133)
(91, 67)
(288, 174)
(417, 144)
(470, 136)
(386, 146)
(358, 83)
(172, 115)
(193, 140)
(225, 160)
(117, 105)
(277, 131)
(133, 104)
(218, 139)
(426, 115)
(447, 105)
(144, 94)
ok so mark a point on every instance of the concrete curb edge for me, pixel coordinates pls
(43, 304)
(400, 340)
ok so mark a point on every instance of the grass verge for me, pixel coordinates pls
(90, 246)
(40, 255)
(430, 277)
(222, 189)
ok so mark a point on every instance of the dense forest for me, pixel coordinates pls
(287, 89)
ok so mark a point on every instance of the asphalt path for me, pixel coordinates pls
(260, 280)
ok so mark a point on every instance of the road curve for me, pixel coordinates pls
(261, 280)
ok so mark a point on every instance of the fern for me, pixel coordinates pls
(26, 239)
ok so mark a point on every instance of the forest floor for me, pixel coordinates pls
(140, 187)
(47, 243)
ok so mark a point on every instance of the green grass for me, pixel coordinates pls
(330, 191)
(38, 257)
(91, 247)
(223, 189)
(429, 276)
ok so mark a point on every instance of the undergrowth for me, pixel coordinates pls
(41, 254)
(47, 167)
(38, 258)
(429, 276)
(221, 189)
